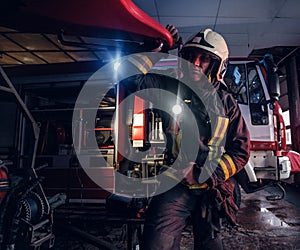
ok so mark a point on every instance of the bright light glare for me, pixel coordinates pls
(177, 109)
(116, 65)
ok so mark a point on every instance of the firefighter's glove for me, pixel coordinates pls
(159, 45)
(226, 202)
(177, 41)
(210, 209)
(217, 203)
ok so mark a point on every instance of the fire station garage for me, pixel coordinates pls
(81, 156)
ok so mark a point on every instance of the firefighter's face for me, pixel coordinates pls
(199, 64)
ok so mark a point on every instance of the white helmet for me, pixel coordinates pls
(213, 43)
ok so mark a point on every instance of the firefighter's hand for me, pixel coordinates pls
(191, 174)
(163, 46)
(176, 39)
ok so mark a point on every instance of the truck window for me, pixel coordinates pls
(235, 79)
(257, 98)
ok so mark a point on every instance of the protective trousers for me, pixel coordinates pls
(168, 214)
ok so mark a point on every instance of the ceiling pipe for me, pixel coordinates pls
(287, 56)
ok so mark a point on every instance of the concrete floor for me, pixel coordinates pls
(267, 224)
(262, 224)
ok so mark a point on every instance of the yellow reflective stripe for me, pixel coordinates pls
(146, 60)
(226, 120)
(138, 65)
(231, 163)
(198, 186)
(176, 146)
(219, 133)
(171, 175)
(212, 153)
(221, 136)
(224, 168)
(216, 130)
(220, 130)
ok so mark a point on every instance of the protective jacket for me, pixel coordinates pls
(221, 136)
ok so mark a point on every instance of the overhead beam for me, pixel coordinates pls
(52, 73)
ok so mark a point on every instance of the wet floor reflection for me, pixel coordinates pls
(257, 210)
(265, 224)
(271, 219)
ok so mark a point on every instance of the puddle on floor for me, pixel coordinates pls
(271, 219)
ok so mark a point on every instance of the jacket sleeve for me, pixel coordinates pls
(237, 145)
(139, 63)
(135, 71)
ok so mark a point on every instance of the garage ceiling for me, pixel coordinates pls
(17, 47)
(248, 26)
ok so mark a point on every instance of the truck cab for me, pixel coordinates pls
(255, 86)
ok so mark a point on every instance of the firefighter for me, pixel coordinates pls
(222, 151)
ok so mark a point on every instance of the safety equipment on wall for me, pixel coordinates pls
(212, 43)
